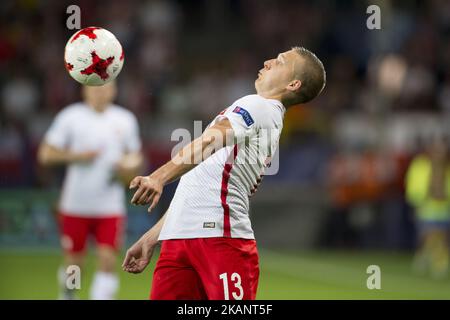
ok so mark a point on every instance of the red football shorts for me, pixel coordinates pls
(108, 231)
(206, 268)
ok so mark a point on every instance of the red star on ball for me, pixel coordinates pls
(98, 66)
(69, 66)
(88, 32)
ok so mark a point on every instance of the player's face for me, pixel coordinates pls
(100, 96)
(277, 72)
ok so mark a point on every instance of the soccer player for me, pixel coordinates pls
(100, 144)
(208, 248)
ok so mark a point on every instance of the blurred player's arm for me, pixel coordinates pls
(150, 187)
(129, 166)
(49, 155)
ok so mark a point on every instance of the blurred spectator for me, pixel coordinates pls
(20, 97)
(428, 191)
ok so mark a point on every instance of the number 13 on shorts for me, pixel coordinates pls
(237, 292)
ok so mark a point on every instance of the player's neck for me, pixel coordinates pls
(270, 95)
(274, 96)
(97, 108)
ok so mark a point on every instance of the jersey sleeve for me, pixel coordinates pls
(246, 117)
(58, 135)
(133, 141)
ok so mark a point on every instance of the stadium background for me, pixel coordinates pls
(337, 204)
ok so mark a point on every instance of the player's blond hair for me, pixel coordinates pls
(312, 75)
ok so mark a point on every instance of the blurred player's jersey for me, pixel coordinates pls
(212, 200)
(90, 189)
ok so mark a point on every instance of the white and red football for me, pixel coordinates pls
(93, 56)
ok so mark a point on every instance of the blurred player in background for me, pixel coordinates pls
(208, 246)
(100, 144)
(428, 190)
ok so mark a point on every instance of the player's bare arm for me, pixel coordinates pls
(140, 254)
(150, 187)
(49, 155)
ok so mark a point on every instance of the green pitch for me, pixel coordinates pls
(307, 275)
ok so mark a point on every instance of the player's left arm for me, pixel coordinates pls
(131, 162)
(150, 187)
(129, 166)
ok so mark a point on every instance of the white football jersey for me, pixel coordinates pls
(90, 189)
(212, 200)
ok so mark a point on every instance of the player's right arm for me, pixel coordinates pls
(49, 155)
(150, 188)
(229, 128)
